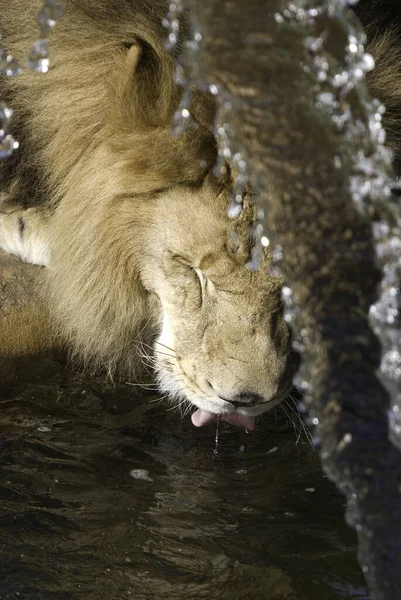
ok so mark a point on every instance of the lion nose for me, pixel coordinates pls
(246, 399)
(240, 398)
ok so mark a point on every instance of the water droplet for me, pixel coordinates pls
(277, 254)
(50, 14)
(7, 146)
(313, 44)
(337, 162)
(327, 99)
(368, 62)
(38, 59)
(216, 437)
(8, 65)
(340, 79)
(6, 113)
(316, 441)
(234, 210)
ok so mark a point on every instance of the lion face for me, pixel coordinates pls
(223, 345)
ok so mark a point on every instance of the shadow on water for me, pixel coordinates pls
(104, 495)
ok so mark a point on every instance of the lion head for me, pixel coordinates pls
(142, 249)
(223, 345)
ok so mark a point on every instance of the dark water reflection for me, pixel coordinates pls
(257, 521)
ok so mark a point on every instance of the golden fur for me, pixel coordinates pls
(24, 319)
(385, 84)
(382, 22)
(132, 224)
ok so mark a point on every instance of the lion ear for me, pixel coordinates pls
(145, 93)
(132, 58)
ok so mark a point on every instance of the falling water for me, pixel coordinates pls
(187, 76)
(38, 61)
(370, 182)
(7, 143)
(336, 72)
(334, 80)
(48, 16)
(10, 67)
(216, 437)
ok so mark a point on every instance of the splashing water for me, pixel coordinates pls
(370, 187)
(38, 61)
(385, 319)
(10, 67)
(8, 64)
(337, 78)
(187, 76)
(216, 437)
(48, 16)
(172, 23)
(186, 73)
(230, 153)
(370, 182)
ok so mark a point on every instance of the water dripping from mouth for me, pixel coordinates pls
(216, 437)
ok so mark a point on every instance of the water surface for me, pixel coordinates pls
(105, 495)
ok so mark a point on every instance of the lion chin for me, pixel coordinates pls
(142, 263)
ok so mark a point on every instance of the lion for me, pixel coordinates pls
(143, 265)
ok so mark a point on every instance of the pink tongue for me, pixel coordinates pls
(202, 417)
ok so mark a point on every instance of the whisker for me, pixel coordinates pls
(173, 353)
(303, 427)
(167, 347)
(157, 400)
(296, 431)
(145, 386)
(165, 354)
(177, 406)
(189, 409)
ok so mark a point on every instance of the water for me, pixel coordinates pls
(106, 496)
(217, 437)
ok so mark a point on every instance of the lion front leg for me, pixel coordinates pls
(23, 232)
